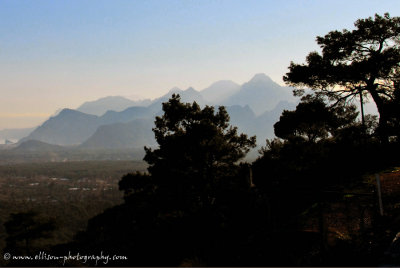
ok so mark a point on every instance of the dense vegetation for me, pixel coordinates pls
(309, 199)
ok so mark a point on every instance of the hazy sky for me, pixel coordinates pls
(56, 54)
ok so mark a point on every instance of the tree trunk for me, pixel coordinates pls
(362, 110)
(379, 102)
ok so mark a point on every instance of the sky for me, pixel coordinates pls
(60, 53)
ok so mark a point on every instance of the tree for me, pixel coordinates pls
(192, 205)
(363, 62)
(393, 108)
(313, 120)
(196, 148)
(136, 183)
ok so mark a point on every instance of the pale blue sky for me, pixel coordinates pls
(56, 54)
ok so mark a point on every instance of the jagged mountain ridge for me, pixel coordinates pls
(117, 129)
(260, 93)
(72, 127)
(188, 95)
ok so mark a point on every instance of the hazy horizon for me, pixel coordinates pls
(60, 54)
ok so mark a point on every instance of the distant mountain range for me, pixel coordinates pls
(35, 145)
(134, 134)
(218, 92)
(260, 93)
(116, 122)
(113, 103)
(69, 127)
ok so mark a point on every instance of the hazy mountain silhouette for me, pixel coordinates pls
(264, 125)
(111, 103)
(220, 91)
(126, 115)
(253, 107)
(132, 128)
(260, 93)
(134, 134)
(261, 126)
(37, 146)
(242, 117)
(69, 127)
(138, 133)
(188, 95)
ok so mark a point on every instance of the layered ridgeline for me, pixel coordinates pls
(111, 103)
(108, 124)
(260, 93)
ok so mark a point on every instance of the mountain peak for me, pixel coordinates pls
(219, 91)
(190, 90)
(223, 83)
(67, 111)
(261, 77)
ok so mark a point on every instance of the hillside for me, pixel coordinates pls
(134, 134)
(37, 146)
(69, 127)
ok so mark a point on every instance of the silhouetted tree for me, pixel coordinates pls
(195, 204)
(197, 147)
(313, 120)
(308, 156)
(317, 136)
(393, 109)
(136, 183)
(364, 61)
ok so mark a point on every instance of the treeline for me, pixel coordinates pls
(198, 205)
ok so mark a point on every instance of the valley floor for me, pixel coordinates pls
(68, 192)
